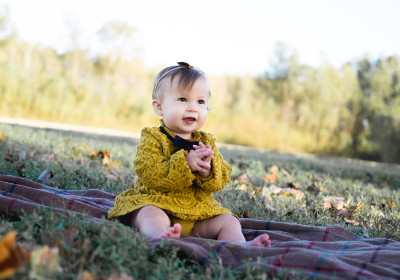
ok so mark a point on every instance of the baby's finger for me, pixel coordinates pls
(201, 144)
(204, 165)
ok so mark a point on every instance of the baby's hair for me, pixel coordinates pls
(186, 73)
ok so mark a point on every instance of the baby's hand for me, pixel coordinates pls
(200, 159)
(201, 147)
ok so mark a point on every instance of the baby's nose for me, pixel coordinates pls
(192, 107)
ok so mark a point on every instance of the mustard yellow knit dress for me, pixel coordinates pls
(166, 181)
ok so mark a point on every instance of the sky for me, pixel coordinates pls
(219, 36)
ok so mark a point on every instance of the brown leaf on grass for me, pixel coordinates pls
(242, 178)
(388, 203)
(293, 185)
(351, 222)
(243, 187)
(12, 256)
(336, 202)
(2, 137)
(114, 276)
(21, 169)
(289, 213)
(111, 175)
(45, 263)
(105, 157)
(9, 157)
(348, 212)
(273, 176)
(283, 192)
(114, 164)
(50, 157)
(312, 188)
(247, 214)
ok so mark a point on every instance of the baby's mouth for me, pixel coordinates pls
(189, 119)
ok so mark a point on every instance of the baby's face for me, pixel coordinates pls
(184, 111)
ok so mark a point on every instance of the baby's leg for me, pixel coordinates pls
(228, 228)
(154, 223)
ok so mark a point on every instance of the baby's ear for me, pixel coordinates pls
(157, 107)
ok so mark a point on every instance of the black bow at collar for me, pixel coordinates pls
(179, 142)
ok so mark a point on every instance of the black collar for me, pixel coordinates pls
(179, 142)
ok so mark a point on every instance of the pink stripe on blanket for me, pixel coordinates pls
(326, 233)
(70, 203)
(279, 263)
(12, 202)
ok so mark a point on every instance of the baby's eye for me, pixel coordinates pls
(182, 99)
(201, 101)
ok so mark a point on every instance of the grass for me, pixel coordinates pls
(264, 185)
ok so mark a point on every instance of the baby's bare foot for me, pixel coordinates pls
(173, 232)
(260, 241)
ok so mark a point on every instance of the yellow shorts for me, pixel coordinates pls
(187, 226)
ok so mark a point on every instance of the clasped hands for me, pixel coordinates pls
(199, 159)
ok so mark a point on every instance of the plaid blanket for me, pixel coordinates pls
(328, 252)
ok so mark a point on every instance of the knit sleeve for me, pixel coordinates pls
(220, 171)
(161, 172)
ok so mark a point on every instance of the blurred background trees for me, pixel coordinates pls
(352, 111)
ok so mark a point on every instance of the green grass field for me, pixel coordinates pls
(361, 196)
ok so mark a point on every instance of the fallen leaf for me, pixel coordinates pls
(50, 158)
(247, 214)
(114, 276)
(114, 164)
(21, 169)
(111, 175)
(388, 203)
(297, 194)
(351, 222)
(312, 188)
(289, 213)
(348, 212)
(9, 157)
(242, 178)
(324, 190)
(274, 169)
(117, 276)
(12, 256)
(294, 185)
(288, 191)
(283, 192)
(273, 176)
(243, 187)
(106, 158)
(45, 263)
(336, 202)
(274, 189)
(104, 155)
(2, 138)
